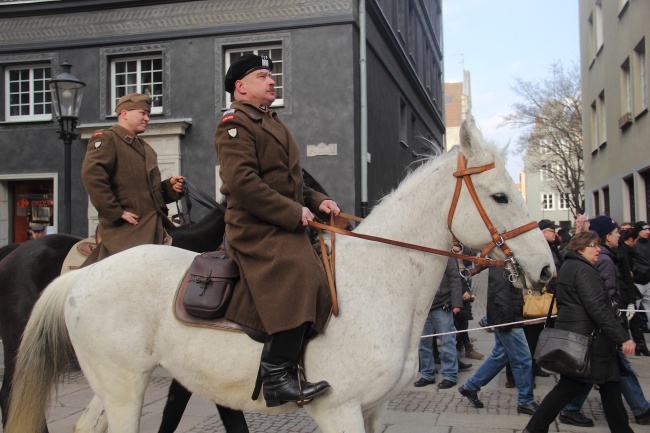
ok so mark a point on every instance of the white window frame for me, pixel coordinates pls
(626, 87)
(622, 4)
(31, 117)
(137, 87)
(640, 78)
(547, 171)
(548, 201)
(277, 73)
(599, 27)
(563, 201)
(595, 127)
(603, 118)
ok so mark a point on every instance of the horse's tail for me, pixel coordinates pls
(45, 351)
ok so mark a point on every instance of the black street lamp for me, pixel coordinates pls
(67, 92)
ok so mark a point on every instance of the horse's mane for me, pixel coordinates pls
(429, 163)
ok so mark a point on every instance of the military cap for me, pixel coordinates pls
(38, 227)
(244, 66)
(547, 224)
(133, 101)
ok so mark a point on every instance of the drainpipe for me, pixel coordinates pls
(363, 108)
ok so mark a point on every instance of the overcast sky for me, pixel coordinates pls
(498, 40)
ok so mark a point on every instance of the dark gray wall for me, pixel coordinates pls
(323, 97)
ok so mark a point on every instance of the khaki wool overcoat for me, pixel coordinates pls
(283, 283)
(120, 173)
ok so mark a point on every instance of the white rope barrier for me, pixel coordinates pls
(536, 320)
(527, 321)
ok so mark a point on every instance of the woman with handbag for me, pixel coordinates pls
(584, 309)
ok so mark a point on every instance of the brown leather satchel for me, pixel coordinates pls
(212, 279)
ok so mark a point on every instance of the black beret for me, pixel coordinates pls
(244, 66)
(547, 224)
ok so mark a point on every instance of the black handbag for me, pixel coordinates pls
(564, 352)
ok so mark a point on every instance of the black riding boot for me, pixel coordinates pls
(279, 369)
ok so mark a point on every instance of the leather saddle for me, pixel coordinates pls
(78, 254)
(82, 249)
(221, 323)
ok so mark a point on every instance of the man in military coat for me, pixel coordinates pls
(283, 288)
(121, 175)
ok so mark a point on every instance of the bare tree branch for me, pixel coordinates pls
(550, 115)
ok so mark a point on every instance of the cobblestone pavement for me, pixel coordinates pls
(414, 410)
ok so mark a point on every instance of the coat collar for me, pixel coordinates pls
(127, 136)
(577, 256)
(259, 114)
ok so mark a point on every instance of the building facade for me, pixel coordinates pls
(458, 106)
(357, 84)
(614, 37)
(540, 194)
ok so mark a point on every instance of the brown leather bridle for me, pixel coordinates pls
(483, 261)
(498, 239)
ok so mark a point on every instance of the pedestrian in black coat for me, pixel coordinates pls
(584, 307)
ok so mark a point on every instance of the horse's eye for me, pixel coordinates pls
(500, 198)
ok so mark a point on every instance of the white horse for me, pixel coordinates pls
(117, 314)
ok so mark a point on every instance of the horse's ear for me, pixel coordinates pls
(470, 139)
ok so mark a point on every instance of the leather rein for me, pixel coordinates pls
(462, 175)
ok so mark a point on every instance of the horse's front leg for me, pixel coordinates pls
(347, 419)
(372, 417)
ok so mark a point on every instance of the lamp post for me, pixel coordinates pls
(67, 92)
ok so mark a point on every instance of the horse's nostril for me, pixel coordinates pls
(546, 275)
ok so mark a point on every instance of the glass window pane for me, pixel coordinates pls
(275, 52)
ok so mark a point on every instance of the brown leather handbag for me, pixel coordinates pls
(538, 306)
(212, 279)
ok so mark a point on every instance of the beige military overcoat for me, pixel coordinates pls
(283, 282)
(120, 173)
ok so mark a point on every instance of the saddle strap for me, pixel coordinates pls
(328, 271)
(258, 384)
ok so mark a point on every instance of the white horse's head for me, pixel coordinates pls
(504, 208)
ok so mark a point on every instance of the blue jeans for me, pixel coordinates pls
(630, 388)
(439, 321)
(510, 346)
